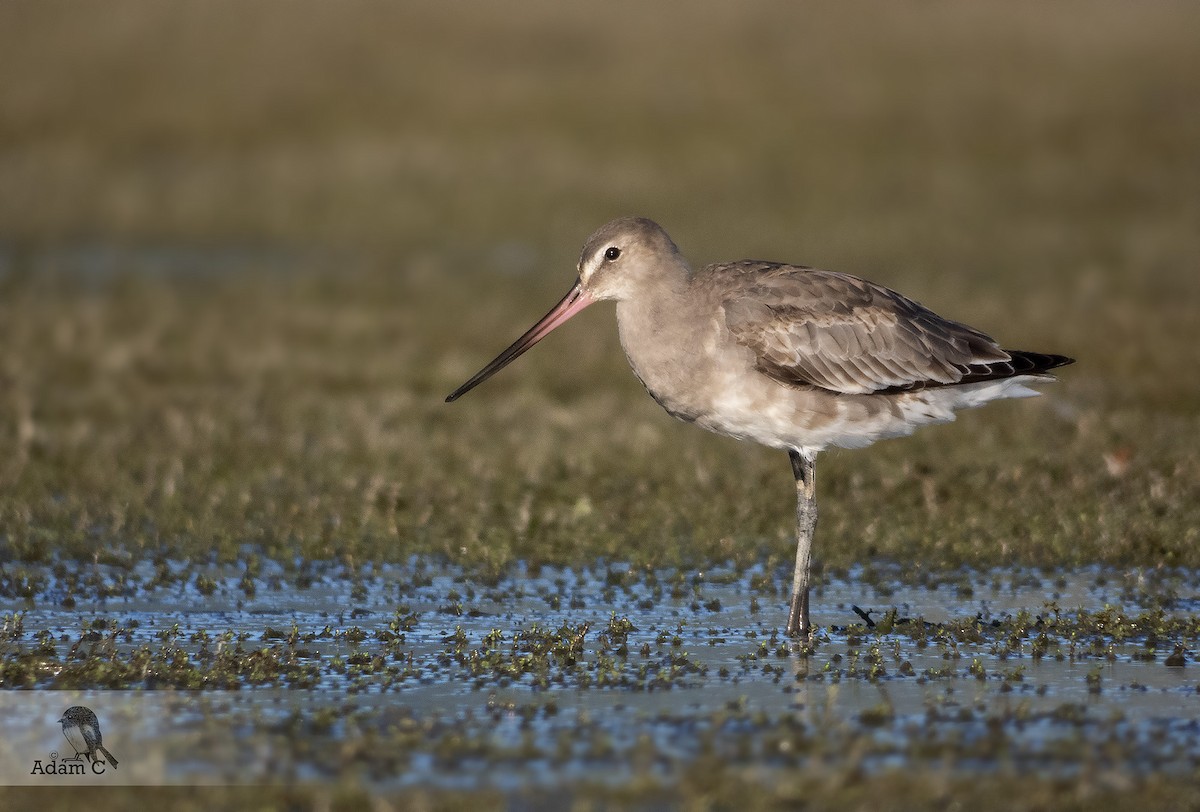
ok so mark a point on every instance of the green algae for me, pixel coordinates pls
(666, 696)
(900, 690)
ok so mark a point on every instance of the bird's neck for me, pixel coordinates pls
(656, 300)
(660, 332)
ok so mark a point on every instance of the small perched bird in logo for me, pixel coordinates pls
(82, 729)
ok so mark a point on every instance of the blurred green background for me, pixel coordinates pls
(246, 249)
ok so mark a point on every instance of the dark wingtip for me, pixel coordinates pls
(1027, 363)
(1021, 362)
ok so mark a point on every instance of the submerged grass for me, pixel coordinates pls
(486, 686)
(668, 702)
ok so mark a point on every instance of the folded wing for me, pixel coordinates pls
(838, 332)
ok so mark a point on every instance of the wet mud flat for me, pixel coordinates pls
(618, 678)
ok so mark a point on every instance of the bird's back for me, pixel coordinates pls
(844, 334)
(802, 358)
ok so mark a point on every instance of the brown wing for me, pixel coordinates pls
(848, 335)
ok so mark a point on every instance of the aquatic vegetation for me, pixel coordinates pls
(665, 697)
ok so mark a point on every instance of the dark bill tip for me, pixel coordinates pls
(575, 300)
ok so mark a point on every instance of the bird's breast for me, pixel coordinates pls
(696, 371)
(673, 356)
(693, 369)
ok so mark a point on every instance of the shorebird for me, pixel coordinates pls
(789, 356)
(82, 729)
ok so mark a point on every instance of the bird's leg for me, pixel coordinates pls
(806, 524)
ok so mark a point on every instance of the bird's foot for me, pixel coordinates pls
(798, 628)
(798, 624)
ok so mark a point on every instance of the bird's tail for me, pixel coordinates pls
(107, 755)
(1021, 362)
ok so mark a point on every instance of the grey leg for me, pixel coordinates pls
(806, 524)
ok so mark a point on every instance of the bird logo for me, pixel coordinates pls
(82, 729)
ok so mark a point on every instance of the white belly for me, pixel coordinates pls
(755, 407)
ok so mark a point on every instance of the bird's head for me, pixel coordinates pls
(617, 260)
(624, 255)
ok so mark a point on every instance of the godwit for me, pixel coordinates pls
(788, 356)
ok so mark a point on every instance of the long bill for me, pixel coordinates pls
(575, 300)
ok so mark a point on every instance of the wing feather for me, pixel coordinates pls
(838, 332)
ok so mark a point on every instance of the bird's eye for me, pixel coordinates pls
(612, 253)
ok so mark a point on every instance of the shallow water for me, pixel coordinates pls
(418, 675)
